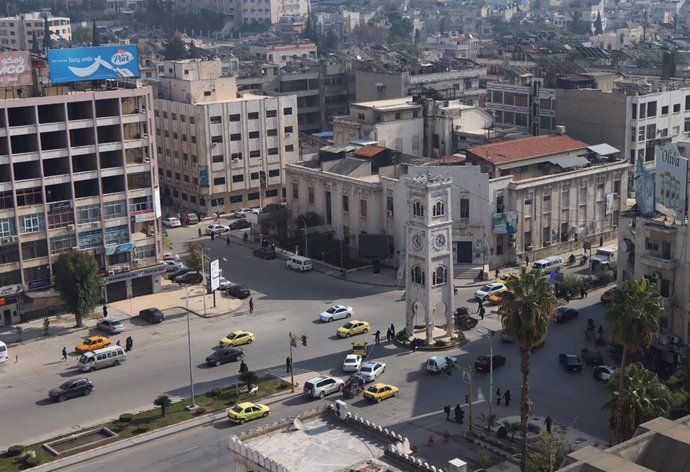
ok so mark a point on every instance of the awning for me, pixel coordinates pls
(603, 149)
(568, 162)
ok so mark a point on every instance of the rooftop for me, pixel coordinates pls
(392, 104)
(369, 151)
(526, 148)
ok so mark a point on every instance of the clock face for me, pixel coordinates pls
(417, 241)
(440, 241)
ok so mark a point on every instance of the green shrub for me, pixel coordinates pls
(141, 429)
(215, 392)
(126, 417)
(200, 411)
(32, 461)
(401, 335)
(440, 343)
(282, 386)
(571, 283)
(14, 451)
(604, 277)
(460, 336)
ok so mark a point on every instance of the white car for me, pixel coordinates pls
(111, 325)
(352, 363)
(370, 370)
(172, 265)
(170, 256)
(488, 289)
(336, 312)
(224, 283)
(603, 372)
(216, 229)
(242, 212)
(171, 222)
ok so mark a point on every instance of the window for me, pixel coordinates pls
(29, 196)
(288, 129)
(6, 200)
(295, 191)
(651, 131)
(254, 135)
(417, 275)
(216, 120)
(272, 132)
(651, 244)
(464, 208)
(398, 115)
(640, 133)
(145, 252)
(686, 125)
(676, 107)
(272, 151)
(253, 116)
(287, 111)
(271, 113)
(439, 209)
(220, 180)
(116, 235)
(643, 110)
(218, 158)
(193, 138)
(254, 154)
(289, 148)
(89, 213)
(185, 178)
(140, 204)
(311, 195)
(253, 196)
(664, 110)
(184, 137)
(254, 176)
(207, 93)
(417, 209)
(216, 139)
(60, 244)
(363, 208)
(217, 202)
(32, 223)
(235, 118)
(177, 176)
(274, 172)
(651, 109)
(271, 193)
(440, 275)
(346, 203)
(35, 249)
(183, 118)
(165, 114)
(191, 120)
(236, 155)
(235, 137)
(360, 116)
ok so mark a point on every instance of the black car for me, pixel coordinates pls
(178, 273)
(190, 278)
(152, 315)
(265, 252)
(570, 362)
(70, 389)
(239, 224)
(224, 355)
(239, 291)
(564, 314)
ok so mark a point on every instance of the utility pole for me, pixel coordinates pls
(491, 366)
(203, 280)
(292, 370)
(192, 405)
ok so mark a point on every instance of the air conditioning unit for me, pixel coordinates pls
(125, 268)
(656, 275)
(111, 272)
(389, 212)
(117, 269)
(70, 227)
(530, 248)
(14, 239)
(137, 262)
(6, 240)
(674, 339)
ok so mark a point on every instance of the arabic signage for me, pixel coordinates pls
(15, 68)
(41, 283)
(10, 290)
(671, 181)
(96, 63)
(141, 216)
(133, 274)
(59, 207)
(120, 248)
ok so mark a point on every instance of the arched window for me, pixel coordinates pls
(440, 275)
(417, 209)
(417, 275)
(439, 209)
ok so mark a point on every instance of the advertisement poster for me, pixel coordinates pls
(504, 223)
(96, 63)
(214, 274)
(671, 181)
(15, 68)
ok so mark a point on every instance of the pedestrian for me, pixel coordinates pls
(118, 343)
(377, 336)
(64, 354)
(601, 331)
(129, 343)
(586, 292)
(105, 311)
(497, 274)
(227, 241)
(567, 297)
(548, 421)
(388, 335)
(459, 414)
(481, 312)
(288, 364)
(527, 261)
(273, 247)
(414, 345)
(213, 235)
(582, 293)
(251, 305)
(506, 397)
(446, 410)
(199, 231)
(601, 241)
(392, 330)
(243, 368)
(498, 396)
(480, 305)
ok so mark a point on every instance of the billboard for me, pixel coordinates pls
(671, 181)
(644, 188)
(15, 68)
(504, 223)
(96, 63)
(214, 274)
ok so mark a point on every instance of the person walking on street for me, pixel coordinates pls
(64, 354)
(459, 414)
(227, 241)
(105, 311)
(601, 241)
(243, 368)
(129, 343)
(506, 397)
(586, 292)
(288, 364)
(480, 306)
(582, 293)
(388, 335)
(199, 231)
(392, 330)
(498, 396)
(481, 312)
(527, 261)
(377, 336)
(446, 410)
(548, 421)
(251, 305)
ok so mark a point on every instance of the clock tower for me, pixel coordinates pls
(429, 257)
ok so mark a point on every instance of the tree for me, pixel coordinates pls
(401, 27)
(95, 39)
(488, 419)
(197, 256)
(47, 43)
(75, 277)
(526, 309)
(645, 397)
(164, 402)
(511, 427)
(547, 454)
(598, 27)
(175, 49)
(329, 41)
(35, 48)
(249, 378)
(633, 317)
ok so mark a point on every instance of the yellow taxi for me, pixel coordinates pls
(380, 391)
(353, 327)
(247, 411)
(237, 338)
(496, 297)
(92, 343)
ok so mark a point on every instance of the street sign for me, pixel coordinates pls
(465, 376)
(214, 272)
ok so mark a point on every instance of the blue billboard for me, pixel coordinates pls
(96, 63)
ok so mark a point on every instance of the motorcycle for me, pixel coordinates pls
(571, 259)
(463, 320)
(583, 260)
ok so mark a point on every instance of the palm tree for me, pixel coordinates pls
(164, 402)
(527, 308)
(489, 419)
(511, 427)
(645, 397)
(633, 316)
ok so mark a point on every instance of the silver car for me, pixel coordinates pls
(111, 325)
(370, 370)
(319, 387)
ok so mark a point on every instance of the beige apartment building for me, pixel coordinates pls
(17, 32)
(220, 149)
(247, 11)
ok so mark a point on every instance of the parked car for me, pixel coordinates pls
(353, 327)
(242, 212)
(92, 343)
(336, 312)
(319, 387)
(563, 314)
(607, 296)
(265, 252)
(70, 389)
(223, 283)
(603, 373)
(239, 224)
(170, 256)
(239, 291)
(489, 289)
(152, 315)
(224, 355)
(370, 370)
(352, 363)
(483, 363)
(247, 411)
(190, 278)
(111, 325)
(570, 362)
(216, 229)
(380, 391)
(237, 338)
(171, 222)
(178, 273)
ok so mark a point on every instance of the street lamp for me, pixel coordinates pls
(491, 333)
(192, 406)
(306, 239)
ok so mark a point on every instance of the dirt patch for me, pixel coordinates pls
(78, 441)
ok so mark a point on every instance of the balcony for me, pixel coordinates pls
(108, 120)
(54, 153)
(50, 127)
(22, 129)
(112, 146)
(82, 123)
(81, 150)
(656, 261)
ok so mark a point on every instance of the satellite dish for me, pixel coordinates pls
(297, 423)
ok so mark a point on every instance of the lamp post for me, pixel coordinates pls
(192, 406)
(491, 333)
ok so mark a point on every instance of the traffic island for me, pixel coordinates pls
(78, 441)
(441, 342)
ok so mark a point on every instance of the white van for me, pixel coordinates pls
(299, 263)
(3, 352)
(111, 355)
(548, 264)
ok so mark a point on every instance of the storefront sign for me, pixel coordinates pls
(139, 217)
(10, 290)
(60, 207)
(119, 249)
(15, 68)
(34, 284)
(157, 269)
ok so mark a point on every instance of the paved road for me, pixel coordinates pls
(285, 301)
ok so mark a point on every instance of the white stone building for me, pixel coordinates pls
(17, 32)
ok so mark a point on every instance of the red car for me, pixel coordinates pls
(483, 363)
